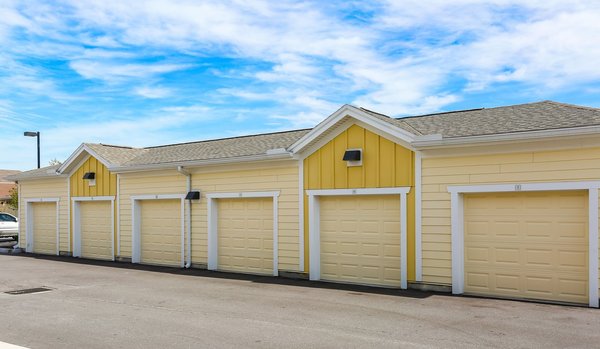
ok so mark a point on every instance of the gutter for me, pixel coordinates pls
(421, 143)
(188, 262)
(169, 165)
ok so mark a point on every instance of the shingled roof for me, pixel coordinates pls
(545, 115)
(539, 116)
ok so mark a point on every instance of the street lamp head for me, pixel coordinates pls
(31, 134)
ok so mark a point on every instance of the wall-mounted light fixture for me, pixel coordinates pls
(353, 157)
(91, 178)
(193, 195)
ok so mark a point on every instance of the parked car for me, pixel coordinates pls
(9, 229)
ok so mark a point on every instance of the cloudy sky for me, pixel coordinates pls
(155, 72)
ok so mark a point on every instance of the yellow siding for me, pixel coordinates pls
(385, 164)
(281, 176)
(106, 182)
(140, 183)
(46, 188)
(438, 173)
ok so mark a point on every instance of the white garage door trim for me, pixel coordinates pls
(136, 223)
(29, 228)
(212, 218)
(314, 229)
(457, 225)
(77, 200)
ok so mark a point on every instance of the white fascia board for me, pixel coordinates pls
(424, 143)
(77, 154)
(356, 113)
(198, 163)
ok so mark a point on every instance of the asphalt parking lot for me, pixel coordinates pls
(101, 305)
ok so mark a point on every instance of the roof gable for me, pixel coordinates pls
(346, 115)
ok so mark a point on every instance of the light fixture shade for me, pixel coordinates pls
(89, 175)
(352, 155)
(193, 195)
(30, 134)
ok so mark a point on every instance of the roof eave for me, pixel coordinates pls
(353, 112)
(197, 163)
(505, 137)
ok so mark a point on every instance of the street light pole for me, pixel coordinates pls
(37, 135)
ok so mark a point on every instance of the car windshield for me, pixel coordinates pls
(7, 218)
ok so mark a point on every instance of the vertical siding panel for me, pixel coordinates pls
(327, 166)
(403, 166)
(94, 188)
(356, 139)
(314, 170)
(340, 144)
(371, 161)
(387, 160)
(113, 184)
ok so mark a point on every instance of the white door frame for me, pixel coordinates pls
(457, 225)
(30, 224)
(314, 225)
(76, 201)
(136, 223)
(213, 219)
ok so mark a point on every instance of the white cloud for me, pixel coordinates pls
(152, 91)
(113, 72)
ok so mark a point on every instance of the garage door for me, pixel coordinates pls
(96, 230)
(527, 245)
(245, 235)
(160, 232)
(360, 239)
(44, 227)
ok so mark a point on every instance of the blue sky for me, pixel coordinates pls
(159, 72)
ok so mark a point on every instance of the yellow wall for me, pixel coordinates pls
(385, 164)
(281, 176)
(106, 185)
(140, 183)
(438, 173)
(46, 188)
(106, 182)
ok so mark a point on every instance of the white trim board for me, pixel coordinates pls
(301, 216)
(30, 223)
(314, 230)
(212, 215)
(76, 202)
(136, 219)
(457, 225)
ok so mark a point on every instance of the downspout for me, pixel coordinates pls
(188, 262)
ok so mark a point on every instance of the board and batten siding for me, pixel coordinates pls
(279, 176)
(385, 164)
(525, 167)
(106, 182)
(143, 183)
(46, 188)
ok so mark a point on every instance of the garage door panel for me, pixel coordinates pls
(44, 227)
(539, 252)
(360, 239)
(96, 229)
(245, 235)
(160, 232)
